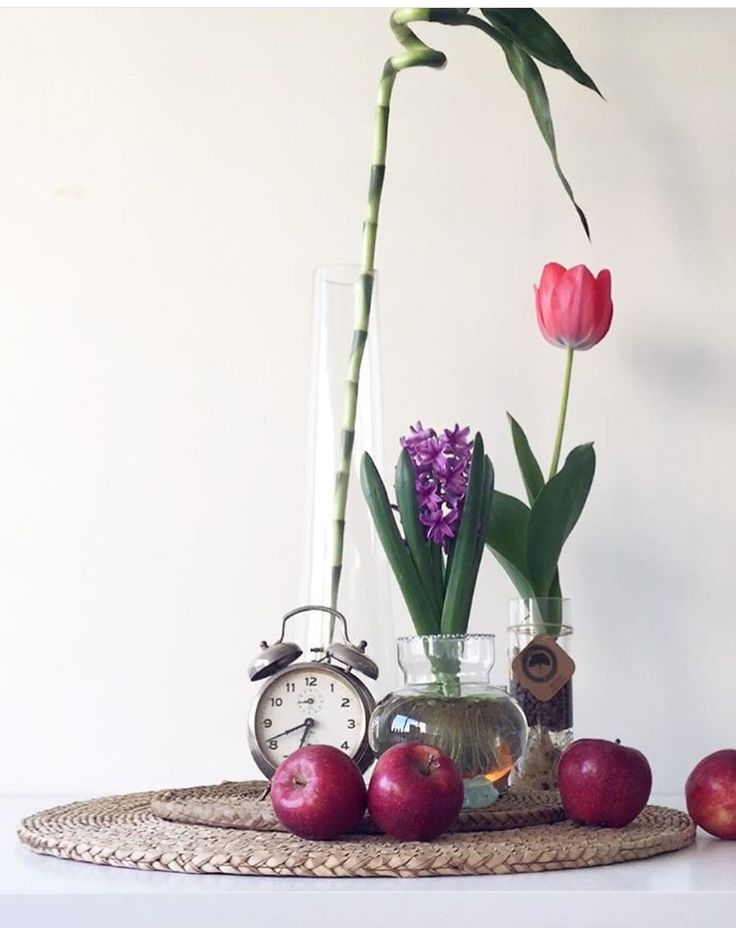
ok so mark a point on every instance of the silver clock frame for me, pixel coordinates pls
(363, 757)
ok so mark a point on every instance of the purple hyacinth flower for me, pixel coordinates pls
(441, 465)
(427, 495)
(440, 527)
(459, 442)
(434, 454)
(456, 483)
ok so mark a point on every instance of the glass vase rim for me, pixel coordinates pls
(455, 636)
(535, 628)
(341, 273)
(540, 599)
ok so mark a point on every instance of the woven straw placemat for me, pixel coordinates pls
(122, 831)
(239, 805)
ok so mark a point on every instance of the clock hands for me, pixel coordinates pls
(307, 723)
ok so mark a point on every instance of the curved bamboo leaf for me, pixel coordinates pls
(531, 472)
(532, 33)
(419, 547)
(423, 611)
(554, 515)
(529, 78)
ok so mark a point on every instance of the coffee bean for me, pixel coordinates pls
(556, 714)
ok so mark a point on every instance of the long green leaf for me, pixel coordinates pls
(414, 533)
(424, 613)
(506, 530)
(487, 500)
(506, 539)
(537, 38)
(554, 515)
(463, 569)
(530, 80)
(531, 472)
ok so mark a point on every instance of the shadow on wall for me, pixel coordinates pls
(684, 372)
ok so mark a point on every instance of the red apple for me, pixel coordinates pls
(415, 793)
(603, 782)
(710, 793)
(318, 792)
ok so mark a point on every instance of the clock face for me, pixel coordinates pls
(309, 704)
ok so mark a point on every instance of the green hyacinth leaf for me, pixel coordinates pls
(531, 472)
(423, 611)
(534, 35)
(419, 547)
(529, 78)
(506, 538)
(554, 515)
(462, 570)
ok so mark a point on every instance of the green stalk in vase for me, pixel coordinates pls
(522, 35)
(417, 55)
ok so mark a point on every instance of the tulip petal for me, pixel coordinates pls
(573, 307)
(603, 308)
(551, 275)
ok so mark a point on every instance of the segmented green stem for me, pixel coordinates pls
(415, 54)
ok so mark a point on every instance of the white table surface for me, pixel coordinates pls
(695, 887)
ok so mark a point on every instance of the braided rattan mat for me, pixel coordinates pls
(123, 831)
(238, 805)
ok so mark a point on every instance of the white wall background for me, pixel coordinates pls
(169, 180)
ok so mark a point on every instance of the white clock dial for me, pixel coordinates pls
(309, 704)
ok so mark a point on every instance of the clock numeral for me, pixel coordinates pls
(267, 723)
(344, 745)
(332, 687)
(351, 723)
(345, 703)
(291, 687)
(273, 744)
(310, 681)
(278, 701)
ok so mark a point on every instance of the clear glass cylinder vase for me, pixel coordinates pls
(364, 592)
(447, 701)
(540, 678)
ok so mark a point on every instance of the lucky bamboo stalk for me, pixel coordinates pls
(416, 54)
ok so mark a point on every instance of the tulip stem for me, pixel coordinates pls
(563, 413)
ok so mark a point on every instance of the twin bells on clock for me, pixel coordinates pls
(277, 656)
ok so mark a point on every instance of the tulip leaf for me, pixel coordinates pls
(531, 472)
(423, 611)
(554, 514)
(416, 540)
(462, 570)
(506, 538)
(534, 35)
(528, 77)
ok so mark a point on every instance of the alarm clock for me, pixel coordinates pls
(310, 702)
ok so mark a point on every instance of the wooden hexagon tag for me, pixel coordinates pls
(543, 667)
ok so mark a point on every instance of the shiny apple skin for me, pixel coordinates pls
(318, 793)
(415, 793)
(603, 782)
(710, 794)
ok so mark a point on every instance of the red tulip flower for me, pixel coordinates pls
(574, 309)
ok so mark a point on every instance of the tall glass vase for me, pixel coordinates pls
(540, 672)
(364, 593)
